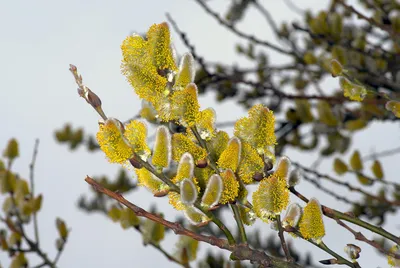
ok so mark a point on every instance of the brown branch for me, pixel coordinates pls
(239, 251)
(359, 236)
(282, 238)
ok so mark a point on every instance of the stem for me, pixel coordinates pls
(282, 238)
(32, 184)
(239, 222)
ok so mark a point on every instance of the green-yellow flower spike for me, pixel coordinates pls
(258, 128)
(311, 223)
(203, 175)
(352, 91)
(270, 198)
(282, 169)
(392, 261)
(230, 157)
(150, 181)
(182, 144)
(175, 201)
(159, 40)
(136, 134)
(206, 124)
(137, 66)
(112, 142)
(355, 161)
(218, 144)
(195, 216)
(162, 148)
(213, 191)
(185, 108)
(185, 73)
(292, 216)
(188, 192)
(128, 219)
(250, 164)
(230, 187)
(185, 168)
(394, 107)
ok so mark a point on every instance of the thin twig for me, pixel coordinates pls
(239, 222)
(282, 238)
(334, 214)
(239, 251)
(239, 33)
(359, 236)
(32, 185)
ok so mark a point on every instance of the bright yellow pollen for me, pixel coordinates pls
(205, 124)
(136, 134)
(185, 106)
(112, 143)
(258, 128)
(270, 198)
(250, 164)
(231, 187)
(138, 68)
(230, 157)
(182, 144)
(159, 47)
(147, 179)
(175, 201)
(162, 148)
(311, 224)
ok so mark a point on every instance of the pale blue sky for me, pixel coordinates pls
(39, 39)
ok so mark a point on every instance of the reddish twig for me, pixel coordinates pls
(239, 251)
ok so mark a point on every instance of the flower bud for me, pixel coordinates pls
(11, 152)
(282, 169)
(336, 68)
(188, 192)
(195, 216)
(292, 216)
(185, 108)
(136, 135)
(355, 161)
(213, 191)
(185, 168)
(394, 107)
(377, 169)
(352, 251)
(185, 73)
(340, 167)
(294, 178)
(62, 229)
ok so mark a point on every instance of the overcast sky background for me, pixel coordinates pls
(39, 39)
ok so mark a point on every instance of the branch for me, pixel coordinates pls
(239, 251)
(359, 236)
(239, 33)
(282, 238)
(334, 214)
(32, 185)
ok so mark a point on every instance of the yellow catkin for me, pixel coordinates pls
(230, 157)
(112, 142)
(230, 187)
(185, 108)
(175, 201)
(206, 124)
(311, 224)
(136, 134)
(213, 192)
(270, 198)
(162, 148)
(218, 144)
(139, 70)
(147, 179)
(159, 47)
(392, 261)
(250, 164)
(258, 128)
(182, 144)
